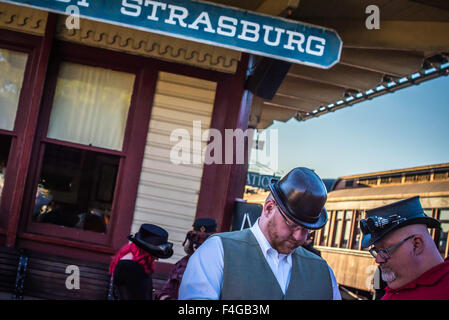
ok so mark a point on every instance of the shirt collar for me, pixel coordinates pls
(265, 245)
(428, 278)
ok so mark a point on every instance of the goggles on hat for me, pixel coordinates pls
(376, 224)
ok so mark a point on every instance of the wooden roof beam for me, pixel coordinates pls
(277, 7)
(341, 75)
(429, 37)
(395, 63)
(270, 113)
(300, 104)
(304, 89)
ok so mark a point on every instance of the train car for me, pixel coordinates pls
(348, 200)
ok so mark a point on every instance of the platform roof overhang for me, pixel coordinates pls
(411, 46)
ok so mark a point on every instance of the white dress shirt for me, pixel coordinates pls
(203, 276)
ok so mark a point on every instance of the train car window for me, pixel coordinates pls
(338, 229)
(346, 229)
(357, 235)
(325, 232)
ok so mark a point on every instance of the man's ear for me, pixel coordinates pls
(418, 244)
(268, 207)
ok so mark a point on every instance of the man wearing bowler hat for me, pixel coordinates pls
(405, 251)
(266, 261)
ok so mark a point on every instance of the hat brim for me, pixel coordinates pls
(160, 251)
(369, 239)
(322, 219)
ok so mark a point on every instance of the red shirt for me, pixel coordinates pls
(431, 285)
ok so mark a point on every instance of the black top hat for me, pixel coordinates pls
(383, 220)
(301, 195)
(207, 225)
(154, 240)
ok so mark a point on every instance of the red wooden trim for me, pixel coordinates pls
(218, 187)
(27, 44)
(84, 147)
(8, 133)
(64, 248)
(66, 243)
(13, 40)
(36, 91)
(136, 136)
(67, 233)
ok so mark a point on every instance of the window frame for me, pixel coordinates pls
(28, 44)
(137, 122)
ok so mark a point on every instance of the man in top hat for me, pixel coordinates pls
(131, 268)
(266, 261)
(202, 229)
(405, 251)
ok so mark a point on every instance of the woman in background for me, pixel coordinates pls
(132, 267)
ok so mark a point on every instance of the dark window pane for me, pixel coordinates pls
(347, 228)
(337, 229)
(76, 188)
(357, 232)
(5, 146)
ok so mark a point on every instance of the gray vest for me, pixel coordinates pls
(247, 275)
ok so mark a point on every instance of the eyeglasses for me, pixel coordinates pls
(386, 253)
(291, 225)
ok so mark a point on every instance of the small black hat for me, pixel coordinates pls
(301, 195)
(207, 225)
(383, 220)
(154, 240)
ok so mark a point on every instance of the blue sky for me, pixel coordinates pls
(397, 130)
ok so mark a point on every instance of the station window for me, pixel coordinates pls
(76, 188)
(12, 70)
(82, 151)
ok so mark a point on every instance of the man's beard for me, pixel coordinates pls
(388, 276)
(286, 246)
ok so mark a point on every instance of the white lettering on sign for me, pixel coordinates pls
(320, 46)
(250, 31)
(204, 19)
(225, 29)
(279, 32)
(136, 7)
(178, 13)
(225, 26)
(155, 5)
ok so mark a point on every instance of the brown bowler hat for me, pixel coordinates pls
(301, 195)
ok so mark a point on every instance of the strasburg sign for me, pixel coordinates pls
(213, 24)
